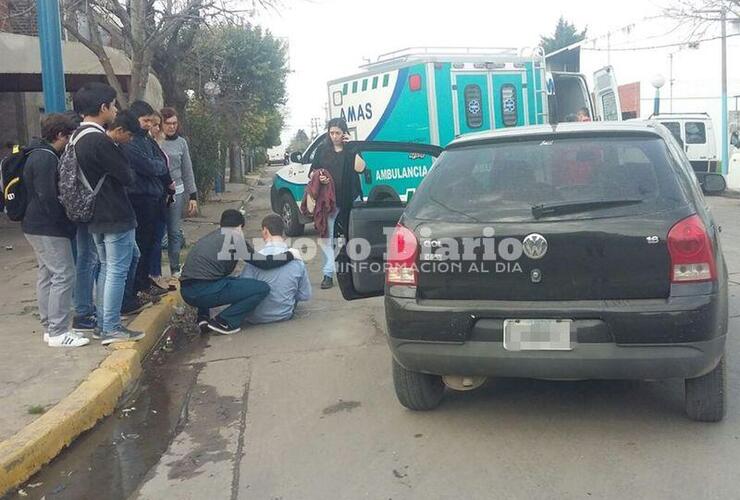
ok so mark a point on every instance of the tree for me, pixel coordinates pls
(299, 142)
(565, 34)
(145, 27)
(700, 15)
(249, 67)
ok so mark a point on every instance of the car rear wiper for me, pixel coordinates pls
(569, 207)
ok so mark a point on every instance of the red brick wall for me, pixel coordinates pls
(629, 98)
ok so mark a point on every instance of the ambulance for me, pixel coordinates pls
(432, 95)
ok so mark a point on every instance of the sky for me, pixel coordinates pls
(330, 39)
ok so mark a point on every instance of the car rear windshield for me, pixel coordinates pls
(503, 181)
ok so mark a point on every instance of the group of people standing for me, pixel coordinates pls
(141, 169)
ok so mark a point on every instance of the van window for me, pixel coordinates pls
(695, 133)
(473, 106)
(501, 182)
(509, 105)
(675, 129)
(609, 103)
(571, 95)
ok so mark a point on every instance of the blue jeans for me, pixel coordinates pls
(87, 269)
(115, 251)
(244, 295)
(155, 262)
(174, 231)
(129, 294)
(327, 246)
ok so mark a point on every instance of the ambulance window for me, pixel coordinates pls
(473, 106)
(364, 85)
(386, 79)
(609, 104)
(509, 105)
(675, 130)
(345, 87)
(354, 87)
(695, 133)
(375, 82)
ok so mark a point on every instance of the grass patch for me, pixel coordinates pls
(36, 410)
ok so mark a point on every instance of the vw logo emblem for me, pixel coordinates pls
(535, 246)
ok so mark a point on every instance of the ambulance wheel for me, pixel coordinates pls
(291, 216)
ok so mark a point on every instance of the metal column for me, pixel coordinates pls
(52, 66)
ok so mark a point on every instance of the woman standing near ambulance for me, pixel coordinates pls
(333, 157)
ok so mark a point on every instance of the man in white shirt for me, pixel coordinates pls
(289, 284)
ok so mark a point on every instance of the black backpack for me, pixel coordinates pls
(15, 196)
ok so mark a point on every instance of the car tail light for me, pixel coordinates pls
(403, 248)
(692, 256)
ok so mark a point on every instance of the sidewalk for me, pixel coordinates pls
(33, 376)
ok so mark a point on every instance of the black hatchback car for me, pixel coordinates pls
(582, 251)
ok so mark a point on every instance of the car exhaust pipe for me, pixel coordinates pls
(463, 383)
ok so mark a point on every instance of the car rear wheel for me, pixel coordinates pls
(291, 217)
(705, 395)
(417, 391)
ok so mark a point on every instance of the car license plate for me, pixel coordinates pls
(537, 335)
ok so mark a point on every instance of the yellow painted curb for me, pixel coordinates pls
(38, 443)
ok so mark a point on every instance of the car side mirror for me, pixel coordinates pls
(368, 176)
(296, 157)
(712, 183)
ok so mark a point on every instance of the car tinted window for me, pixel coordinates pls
(695, 133)
(502, 181)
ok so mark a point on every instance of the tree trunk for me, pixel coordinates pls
(235, 173)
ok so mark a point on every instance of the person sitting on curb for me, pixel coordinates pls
(49, 231)
(206, 280)
(288, 284)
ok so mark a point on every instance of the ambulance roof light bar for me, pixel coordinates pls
(441, 52)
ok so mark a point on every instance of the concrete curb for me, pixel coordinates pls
(38, 443)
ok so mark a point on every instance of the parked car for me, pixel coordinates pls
(582, 251)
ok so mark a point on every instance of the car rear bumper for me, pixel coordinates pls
(585, 361)
(683, 336)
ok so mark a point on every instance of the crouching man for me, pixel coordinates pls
(206, 280)
(289, 284)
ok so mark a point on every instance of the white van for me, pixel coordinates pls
(695, 133)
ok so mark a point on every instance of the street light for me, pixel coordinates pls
(658, 81)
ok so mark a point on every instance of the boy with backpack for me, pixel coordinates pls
(106, 173)
(49, 231)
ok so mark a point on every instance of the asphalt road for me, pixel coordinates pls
(306, 410)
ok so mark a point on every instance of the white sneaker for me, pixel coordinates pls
(69, 339)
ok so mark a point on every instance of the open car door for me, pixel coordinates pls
(606, 94)
(365, 232)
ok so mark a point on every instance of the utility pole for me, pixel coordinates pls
(670, 81)
(725, 131)
(52, 66)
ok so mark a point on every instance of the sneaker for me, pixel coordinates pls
(84, 323)
(96, 333)
(327, 283)
(220, 326)
(123, 334)
(135, 306)
(69, 339)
